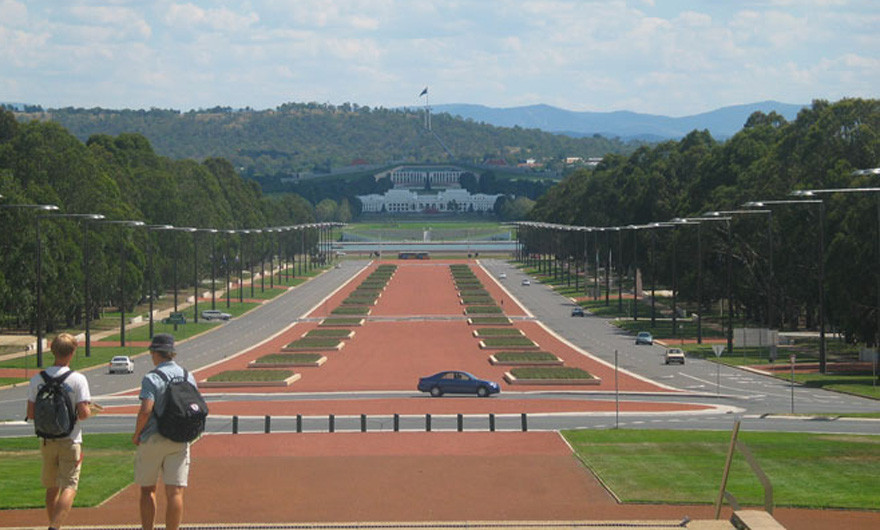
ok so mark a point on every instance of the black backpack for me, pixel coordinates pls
(54, 413)
(183, 418)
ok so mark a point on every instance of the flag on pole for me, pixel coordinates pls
(425, 91)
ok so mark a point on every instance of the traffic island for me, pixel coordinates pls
(484, 333)
(288, 360)
(250, 378)
(550, 375)
(525, 358)
(489, 321)
(341, 322)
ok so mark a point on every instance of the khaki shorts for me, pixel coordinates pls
(62, 461)
(161, 454)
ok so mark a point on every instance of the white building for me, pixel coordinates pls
(407, 201)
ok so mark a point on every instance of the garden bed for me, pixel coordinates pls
(250, 378)
(314, 344)
(288, 360)
(525, 358)
(550, 375)
(489, 321)
(512, 343)
(483, 333)
(335, 333)
(482, 310)
(334, 322)
(351, 310)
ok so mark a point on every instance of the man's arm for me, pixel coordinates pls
(30, 411)
(83, 412)
(142, 418)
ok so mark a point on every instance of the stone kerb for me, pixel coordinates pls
(494, 361)
(295, 364)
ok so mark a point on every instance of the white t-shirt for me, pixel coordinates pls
(77, 387)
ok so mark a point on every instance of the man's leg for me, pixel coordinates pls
(174, 507)
(63, 503)
(51, 499)
(148, 507)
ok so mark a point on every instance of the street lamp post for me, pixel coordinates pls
(821, 206)
(152, 284)
(873, 190)
(122, 261)
(38, 308)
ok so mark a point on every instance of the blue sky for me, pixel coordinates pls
(671, 57)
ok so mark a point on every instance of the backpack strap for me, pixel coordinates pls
(165, 377)
(60, 379)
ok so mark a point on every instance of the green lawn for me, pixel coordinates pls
(529, 356)
(251, 375)
(806, 470)
(550, 372)
(281, 358)
(107, 469)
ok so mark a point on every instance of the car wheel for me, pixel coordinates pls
(483, 391)
(436, 391)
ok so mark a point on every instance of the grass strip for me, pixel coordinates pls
(550, 372)
(487, 321)
(328, 333)
(807, 470)
(283, 358)
(251, 375)
(501, 342)
(352, 310)
(313, 344)
(327, 322)
(482, 309)
(525, 356)
(498, 332)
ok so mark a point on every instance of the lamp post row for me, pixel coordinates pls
(753, 207)
(98, 218)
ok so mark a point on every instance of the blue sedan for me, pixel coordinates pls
(454, 382)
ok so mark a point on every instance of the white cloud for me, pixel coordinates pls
(12, 13)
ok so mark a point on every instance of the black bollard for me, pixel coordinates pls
(267, 425)
(299, 423)
(363, 423)
(428, 422)
(332, 423)
(235, 425)
(525, 422)
(460, 423)
(492, 422)
(396, 422)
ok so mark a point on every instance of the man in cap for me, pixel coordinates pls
(155, 452)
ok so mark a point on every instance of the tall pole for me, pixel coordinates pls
(822, 353)
(674, 286)
(87, 301)
(620, 270)
(152, 279)
(635, 274)
(122, 291)
(729, 288)
(226, 266)
(39, 294)
(700, 283)
(213, 269)
(195, 279)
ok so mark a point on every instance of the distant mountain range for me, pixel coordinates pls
(721, 123)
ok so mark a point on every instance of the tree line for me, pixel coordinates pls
(776, 257)
(122, 178)
(296, 138)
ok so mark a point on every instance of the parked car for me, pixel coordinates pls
(121, 364)
(214, 314)
(175, 318)
(673, 355)
(455, 382)
(644, 338)
(502, 276)
(577, 311)
(526, 281)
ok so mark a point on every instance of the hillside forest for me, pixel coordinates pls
(777, 258)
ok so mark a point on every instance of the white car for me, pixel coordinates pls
(121, 364)
(673, 355)
(526, 281)
(502, 276)
(213, 314)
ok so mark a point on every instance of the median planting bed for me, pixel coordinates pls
(334, 322)
(351, 310)
(337, 333)
(497, 332)
(288, 360)
(250, 378)
(482, 310)
(520, 358)
(489, 321)
(508, 342)
(550, 375)
(314, 344)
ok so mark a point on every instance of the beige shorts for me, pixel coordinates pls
(161, 454)
(62, 461)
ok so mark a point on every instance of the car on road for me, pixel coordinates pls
(526, 281)
(577, 311)
(213, 314)
(673, 355)
(457, 382)
(644, 338)
(174, 319)
(121, 364)
(502, 276)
